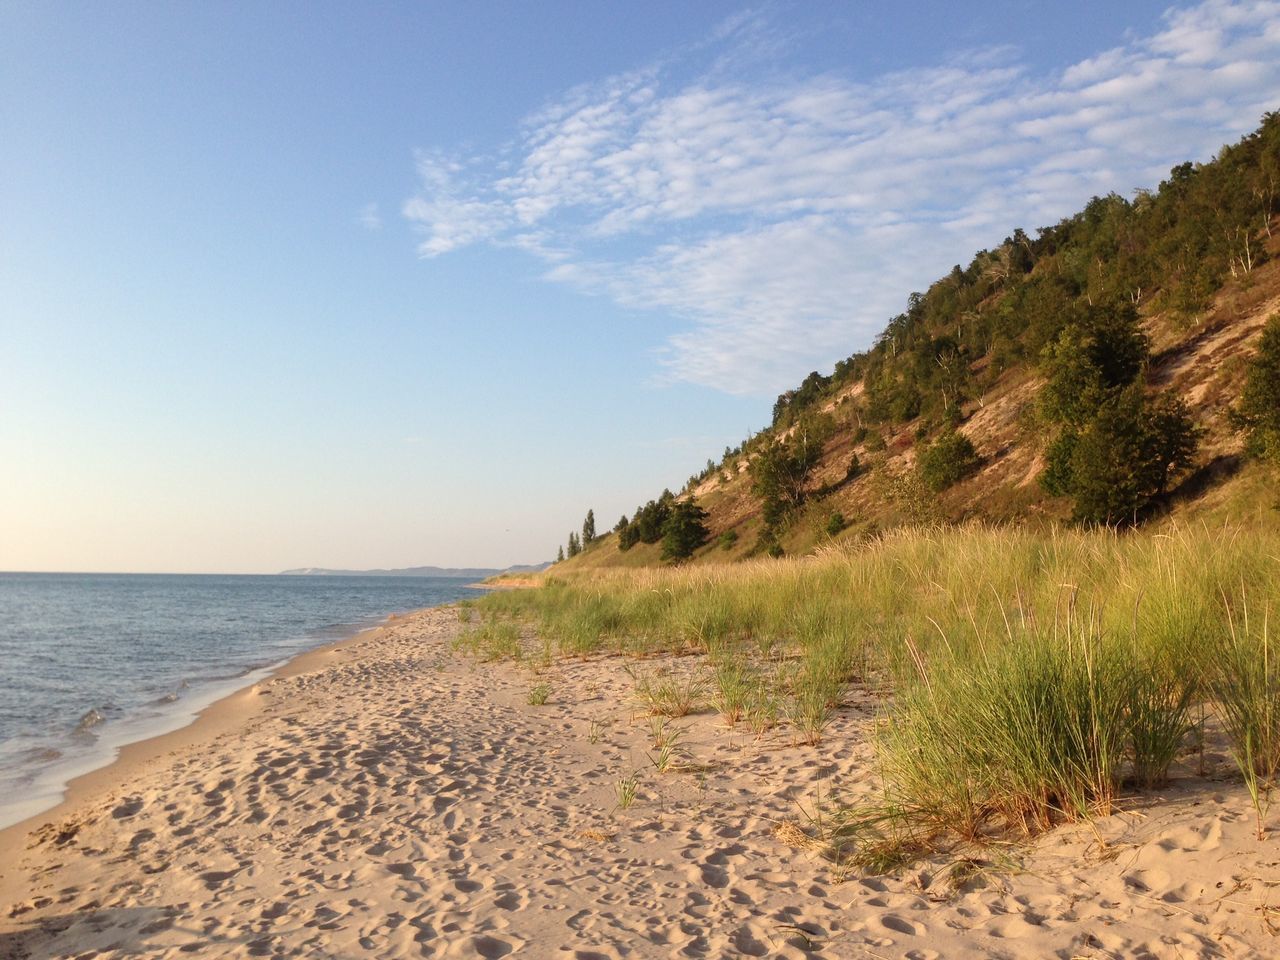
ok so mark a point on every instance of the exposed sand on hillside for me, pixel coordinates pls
(396, 799)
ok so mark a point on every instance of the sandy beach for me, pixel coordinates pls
(389, 797)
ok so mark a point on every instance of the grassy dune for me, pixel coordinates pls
(1029, 677)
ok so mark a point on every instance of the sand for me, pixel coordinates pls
(387, 797)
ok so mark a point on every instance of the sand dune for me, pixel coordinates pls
(397, 800)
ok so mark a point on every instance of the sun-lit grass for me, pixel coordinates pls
(1033, 677)
(1246, 686)
(491, 641)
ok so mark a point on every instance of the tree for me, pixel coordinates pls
(560, 555)
(1102, 352)
(621, 524)
(589, 529)
(628, 537)
(947, 460)
(1127, 454)
(575, 546)
(1258, 412)
(780, 472)
(1169, 446)
(1056, 478)
(652, 517)
(684, 532)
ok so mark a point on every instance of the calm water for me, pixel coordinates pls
(89, 662)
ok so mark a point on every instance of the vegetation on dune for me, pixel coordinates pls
(684, 532)
(1070, 312)
(947, 460)
(1034, 678)
(1036, 674)
(1258, 413)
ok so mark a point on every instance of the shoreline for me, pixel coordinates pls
(386, 795)
(222, 715)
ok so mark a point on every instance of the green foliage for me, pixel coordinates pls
(1258, 412)
(780, 472)
(560, 554)
(835, 524)
(1056, 478)
(1126, 455)
(728, 539)
(589, 529)
(575, 545)
(1068, 297)
(684, 532)
(947, 460)
(628, 537)
(1101, 352)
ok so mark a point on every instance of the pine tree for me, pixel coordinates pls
(1127, 454)
(1259, 409)
(684, 532)
(575, 546)
(560, 555)
(589, 529)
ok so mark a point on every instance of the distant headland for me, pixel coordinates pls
(474, 573)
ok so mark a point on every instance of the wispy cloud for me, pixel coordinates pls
(785, 220)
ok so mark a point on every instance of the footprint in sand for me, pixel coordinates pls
(129, 808)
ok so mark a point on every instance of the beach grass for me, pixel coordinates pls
(1030, 677)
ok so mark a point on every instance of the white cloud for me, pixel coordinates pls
(785, 220)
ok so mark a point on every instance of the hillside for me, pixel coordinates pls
(1166, 295)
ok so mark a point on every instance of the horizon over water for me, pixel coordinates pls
(90, 662)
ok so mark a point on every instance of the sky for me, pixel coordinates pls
(315, 284)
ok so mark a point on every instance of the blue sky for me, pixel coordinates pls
(314, 284)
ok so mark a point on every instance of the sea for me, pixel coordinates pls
(91, 662)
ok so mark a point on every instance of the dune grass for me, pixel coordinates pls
(1032, 677)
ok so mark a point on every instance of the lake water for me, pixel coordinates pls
(90, 662)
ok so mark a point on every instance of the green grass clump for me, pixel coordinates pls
(734, 686)
(667, 693)
(492, 641)
(1246, 687)
(539, 694)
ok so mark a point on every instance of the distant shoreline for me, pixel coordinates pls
(451, 573)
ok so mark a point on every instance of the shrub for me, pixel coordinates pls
(1126, 455)
(728, 539)
(854, 467)
(835, 524)
(947, 460)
